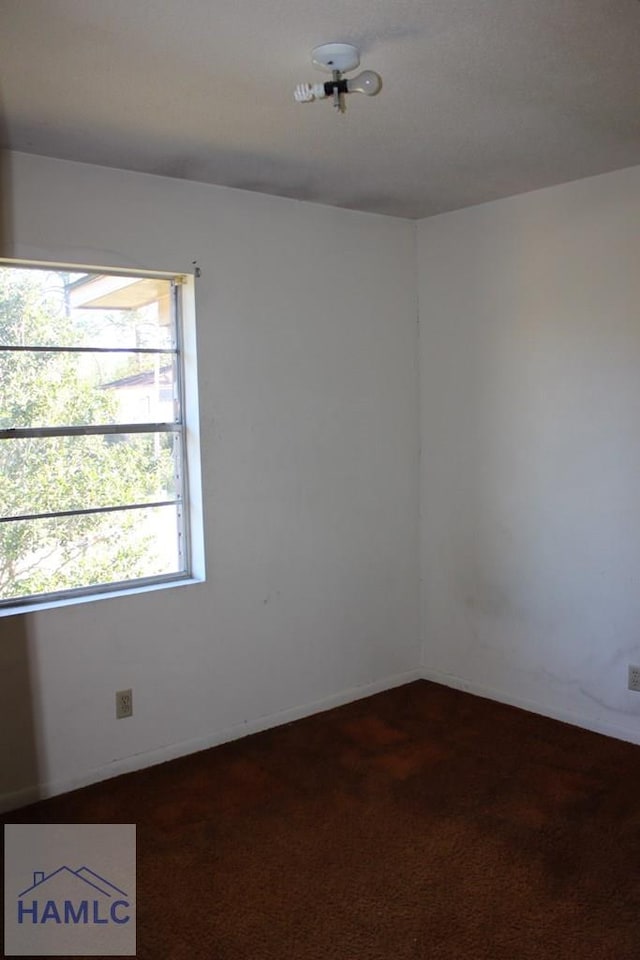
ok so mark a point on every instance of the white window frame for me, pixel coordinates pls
(189, 493)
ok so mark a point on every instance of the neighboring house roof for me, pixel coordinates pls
(146, 378)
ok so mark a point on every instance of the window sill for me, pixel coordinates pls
(37, 606)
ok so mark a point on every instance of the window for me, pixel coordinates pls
(93, 458)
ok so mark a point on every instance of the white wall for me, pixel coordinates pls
(530, 406)
(307, 336)
(530, 520)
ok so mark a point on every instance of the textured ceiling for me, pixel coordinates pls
(481, 98)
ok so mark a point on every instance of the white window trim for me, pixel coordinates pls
(193, 524)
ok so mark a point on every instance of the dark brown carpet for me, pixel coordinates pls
(419, 823)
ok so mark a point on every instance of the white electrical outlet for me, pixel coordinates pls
(124, 703)
(634, 678)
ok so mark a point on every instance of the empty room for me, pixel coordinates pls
(319, 459)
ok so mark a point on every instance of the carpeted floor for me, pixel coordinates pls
(418, 823)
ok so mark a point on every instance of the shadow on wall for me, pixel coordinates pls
(6, 193)
(19, 768)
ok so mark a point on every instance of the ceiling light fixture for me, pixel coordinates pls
(337, 58)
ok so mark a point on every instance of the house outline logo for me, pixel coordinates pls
(84, 902)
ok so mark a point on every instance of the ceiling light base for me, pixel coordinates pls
(335, 56)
